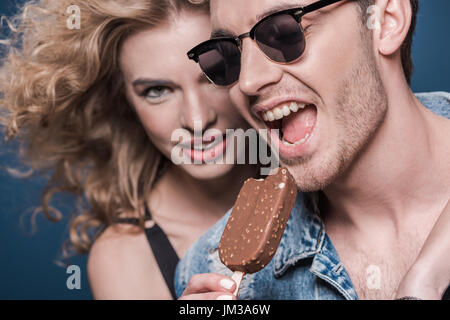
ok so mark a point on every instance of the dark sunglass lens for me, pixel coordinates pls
(221, 62)
(281, 38)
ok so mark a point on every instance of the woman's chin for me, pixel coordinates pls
(207, 171)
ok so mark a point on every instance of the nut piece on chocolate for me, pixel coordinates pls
(257, 222)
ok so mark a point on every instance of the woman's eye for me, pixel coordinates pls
(155, 93)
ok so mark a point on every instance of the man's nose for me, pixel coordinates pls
(257, 71)
(197, 112)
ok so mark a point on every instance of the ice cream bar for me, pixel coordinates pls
(257, 223)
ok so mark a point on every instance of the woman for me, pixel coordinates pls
(100, 105)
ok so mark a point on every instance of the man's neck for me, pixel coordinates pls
(402, 171)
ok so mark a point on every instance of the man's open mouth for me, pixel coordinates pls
(295, 122)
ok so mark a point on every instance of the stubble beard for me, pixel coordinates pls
(361, 107)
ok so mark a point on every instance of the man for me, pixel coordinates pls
(361, 142)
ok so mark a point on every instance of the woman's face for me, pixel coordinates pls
(169, 92)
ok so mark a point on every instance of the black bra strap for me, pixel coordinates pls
(147, 216)
(165, 255)
(134, 221)
(162, 249)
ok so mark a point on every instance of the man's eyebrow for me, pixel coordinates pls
(217, 33)
(279, 7)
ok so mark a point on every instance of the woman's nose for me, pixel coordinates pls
(197, 113)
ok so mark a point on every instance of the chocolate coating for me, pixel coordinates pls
(257, 222)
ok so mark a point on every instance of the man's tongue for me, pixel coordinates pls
(297, 125)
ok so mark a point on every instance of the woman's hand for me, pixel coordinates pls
(209, 286)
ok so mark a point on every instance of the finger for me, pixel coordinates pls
(209, 296)
(209, 282)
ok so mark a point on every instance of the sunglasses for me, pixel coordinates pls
(279, 36)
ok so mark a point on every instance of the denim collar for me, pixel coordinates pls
(304, 238)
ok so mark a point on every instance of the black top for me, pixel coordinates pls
(165, 255)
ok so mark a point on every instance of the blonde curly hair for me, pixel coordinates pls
(62, 97)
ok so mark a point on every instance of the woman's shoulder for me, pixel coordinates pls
(121, 265)
(117, 238)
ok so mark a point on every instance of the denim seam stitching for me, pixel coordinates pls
(320, 239)
(337, 285)
(279, 272)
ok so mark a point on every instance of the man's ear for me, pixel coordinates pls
(395, 21)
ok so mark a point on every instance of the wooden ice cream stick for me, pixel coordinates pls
(237, 277)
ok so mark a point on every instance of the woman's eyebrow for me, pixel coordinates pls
(151, 82)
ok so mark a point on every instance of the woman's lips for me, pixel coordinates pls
(198, 143)
(200, 155)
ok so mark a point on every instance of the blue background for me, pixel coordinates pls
(27, 267)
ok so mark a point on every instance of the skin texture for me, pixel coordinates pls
(159, 54)
(417, 281)
(376, 152)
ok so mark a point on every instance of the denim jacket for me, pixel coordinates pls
(305, 266)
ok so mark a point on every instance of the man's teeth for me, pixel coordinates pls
(281, 112)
